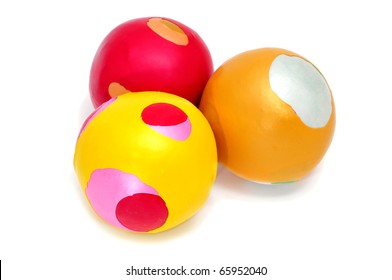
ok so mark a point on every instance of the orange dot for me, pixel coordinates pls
(168, 30)
(116, 89)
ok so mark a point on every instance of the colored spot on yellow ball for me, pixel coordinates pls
(168, 30)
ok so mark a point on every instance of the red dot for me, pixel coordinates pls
(142, 212)
(163, 114)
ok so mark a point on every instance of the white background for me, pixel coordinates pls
(334, 224)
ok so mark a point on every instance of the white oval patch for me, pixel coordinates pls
(299, 84)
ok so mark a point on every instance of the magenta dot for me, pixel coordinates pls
(142, 212)
(163, 114)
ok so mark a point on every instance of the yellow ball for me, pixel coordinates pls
(146, 161)
(272, 113)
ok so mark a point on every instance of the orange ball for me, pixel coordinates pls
(272, 113)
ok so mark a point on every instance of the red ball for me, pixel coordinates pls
(150, 54)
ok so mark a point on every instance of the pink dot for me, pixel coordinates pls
(142, 212)
(108, 186)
